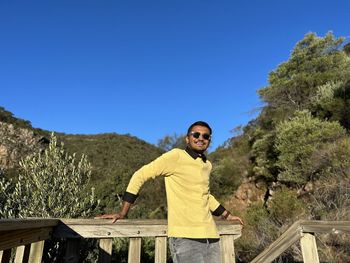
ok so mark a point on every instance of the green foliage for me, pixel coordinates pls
(114, 158)
(285, 207)
(264, 155)
(170, 142)
(50, 184)
(259, 231)
(230, 165)
(313, 62)
(6, 116)
(332, 102)
(297, 140)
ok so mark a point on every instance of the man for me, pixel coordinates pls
(192, 232)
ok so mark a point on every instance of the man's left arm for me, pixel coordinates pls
(218, 210)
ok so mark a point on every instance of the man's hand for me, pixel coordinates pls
(114, 217)
(227, 216)
(234, 218)
(121, 215)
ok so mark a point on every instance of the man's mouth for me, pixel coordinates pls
(199, 143)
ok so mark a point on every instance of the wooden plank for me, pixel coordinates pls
(281, 244)
(235, 230)
(227, 249)
(309, 248)
(72, 251)
(334, 227)
(15, 238)
(87, 228)
(160, 249)
(134, 255)
(109, 231)
(36, 252)
(16, 224)
(5, 256)
(105, 250)
(22, 254)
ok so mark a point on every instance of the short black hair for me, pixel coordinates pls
(199, 123)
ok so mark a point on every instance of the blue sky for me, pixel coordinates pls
(149, 68)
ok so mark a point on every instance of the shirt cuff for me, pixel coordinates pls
(218, 211)
(129, 197)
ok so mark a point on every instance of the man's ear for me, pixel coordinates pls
(187, 140)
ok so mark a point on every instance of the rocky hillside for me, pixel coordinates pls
(113, 158)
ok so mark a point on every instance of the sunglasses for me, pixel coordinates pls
(205, 136)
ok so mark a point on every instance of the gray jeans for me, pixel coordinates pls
(185, 250)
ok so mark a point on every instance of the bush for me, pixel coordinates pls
(296, 141)
(51, 184)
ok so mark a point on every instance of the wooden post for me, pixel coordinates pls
(5, 256)
(160, 250)
(309, 248)
(134, 255)
(22, 254)
(227, 249)
(36, 252)
(72, 250)
(105, 255)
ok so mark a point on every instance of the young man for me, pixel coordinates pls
(192, 232)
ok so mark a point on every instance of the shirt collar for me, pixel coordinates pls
(195, 155)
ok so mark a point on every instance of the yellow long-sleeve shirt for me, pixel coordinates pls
(190, 204)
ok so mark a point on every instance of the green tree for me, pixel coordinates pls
(296, 142)
(170, 142)
(50, 184)
(314, 62)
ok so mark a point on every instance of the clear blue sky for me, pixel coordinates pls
(149, 68)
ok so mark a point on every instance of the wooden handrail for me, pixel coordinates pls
(304, 231)
(28, 235)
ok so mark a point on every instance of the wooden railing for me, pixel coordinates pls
(305, 232)
(27, 237)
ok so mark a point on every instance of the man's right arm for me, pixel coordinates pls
(120, 215)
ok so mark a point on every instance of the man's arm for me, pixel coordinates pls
(227, 216)
(219, 210)
(120, 215)
(163, 165)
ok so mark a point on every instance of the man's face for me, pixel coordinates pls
(199, 144)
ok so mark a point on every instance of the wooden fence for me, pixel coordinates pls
(27, 238)
(305, 232)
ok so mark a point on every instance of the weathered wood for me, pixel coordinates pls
(36, 252)
(105, 254)
(109, 231)
(22, 254)
(309, 248)
(5, 256)
(227, 249)
(72, 251)
(15, 238)
(160, 249)
(92, 228)
(334, 227)
(30, 223)
(281, 244)
(134, 255)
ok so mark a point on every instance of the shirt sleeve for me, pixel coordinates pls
(162, 166)
(215, 207)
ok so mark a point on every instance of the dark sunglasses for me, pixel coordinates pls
(205, 136)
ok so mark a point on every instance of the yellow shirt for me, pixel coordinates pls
(187, 187)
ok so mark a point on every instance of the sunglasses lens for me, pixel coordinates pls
(206, 136)
(196, 135)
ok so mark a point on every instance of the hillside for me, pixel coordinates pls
(113, 157)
